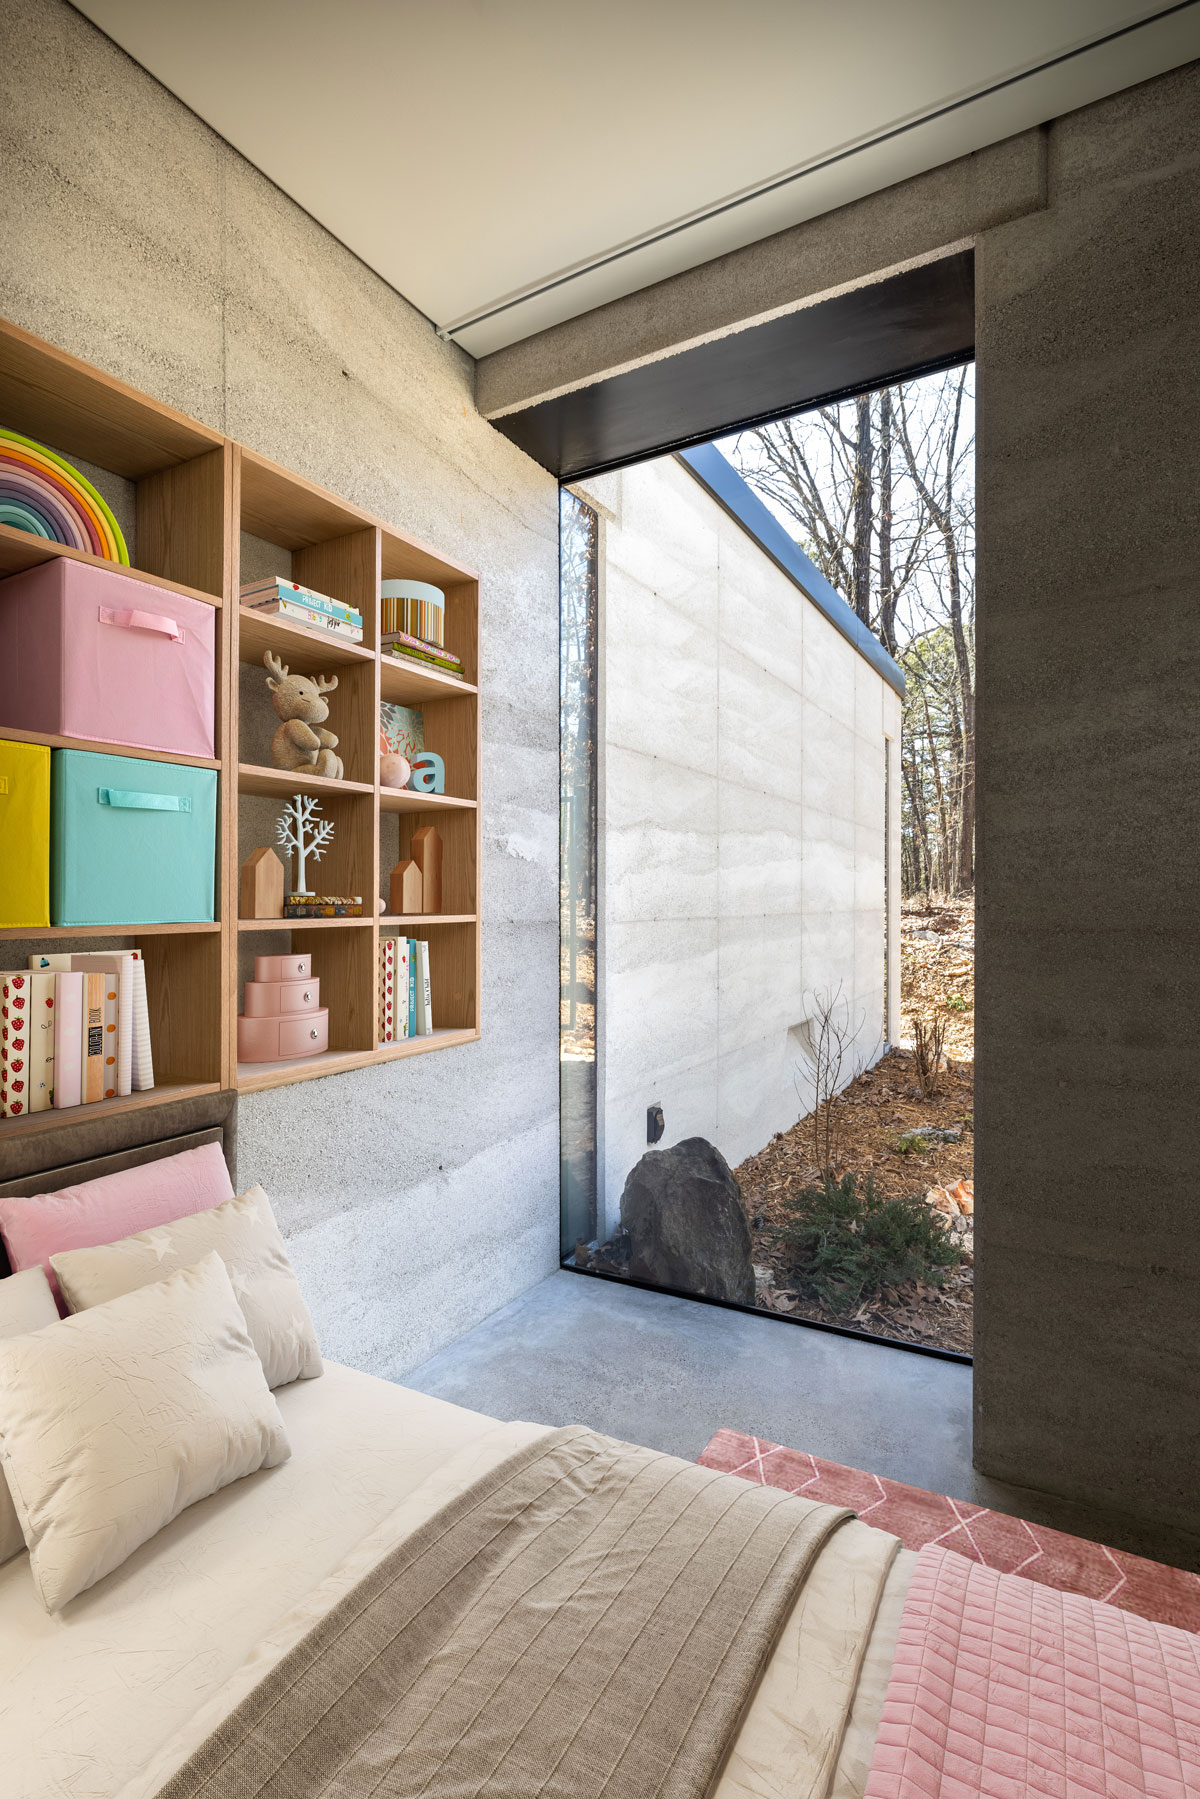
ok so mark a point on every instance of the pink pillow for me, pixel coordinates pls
(115, 1206)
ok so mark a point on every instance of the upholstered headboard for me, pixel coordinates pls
(31, 1161)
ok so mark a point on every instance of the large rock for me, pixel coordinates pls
(687, 1224)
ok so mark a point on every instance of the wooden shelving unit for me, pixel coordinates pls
(197, 492)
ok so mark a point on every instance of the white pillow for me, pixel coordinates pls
(245, 1235)
(112, 1422)
(26, 1304)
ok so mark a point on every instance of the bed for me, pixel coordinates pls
(123, 1693)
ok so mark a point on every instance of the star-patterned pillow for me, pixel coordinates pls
(245, 1235)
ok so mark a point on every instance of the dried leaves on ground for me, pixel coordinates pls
(879, 1110)
(878, 1122)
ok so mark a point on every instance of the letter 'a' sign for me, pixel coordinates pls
(428, 773)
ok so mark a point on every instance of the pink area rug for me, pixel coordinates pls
(1009, 1545)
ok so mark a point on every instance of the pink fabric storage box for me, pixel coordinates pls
(279, 1038)
(115, 1206)
(282, 968)
(87, 652)
(267, 999)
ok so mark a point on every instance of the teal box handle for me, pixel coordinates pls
(144, 802)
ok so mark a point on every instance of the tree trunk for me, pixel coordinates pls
(887, 596)
(860, 597)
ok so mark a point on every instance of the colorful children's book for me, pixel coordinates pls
(14, 1043)
(400, 643)
(387, 990)
(312, 620)
(68, 1038)
(94, 1028)
(401, 730)
(276, 587)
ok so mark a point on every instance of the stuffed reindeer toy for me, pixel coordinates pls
(300, 745)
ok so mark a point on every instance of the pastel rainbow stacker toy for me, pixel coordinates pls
(42, 493)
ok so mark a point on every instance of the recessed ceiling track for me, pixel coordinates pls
(1000, 109)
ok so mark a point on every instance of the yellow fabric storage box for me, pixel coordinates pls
(24, 833)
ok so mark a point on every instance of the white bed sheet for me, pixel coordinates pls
(109, 1698)
(89, 1697)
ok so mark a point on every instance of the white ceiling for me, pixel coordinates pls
(484, 154)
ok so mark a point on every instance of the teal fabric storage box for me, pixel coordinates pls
(131, 841)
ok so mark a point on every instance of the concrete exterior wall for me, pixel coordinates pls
(420, 1196)
(742, 786)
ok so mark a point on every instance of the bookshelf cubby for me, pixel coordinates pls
(201, 502)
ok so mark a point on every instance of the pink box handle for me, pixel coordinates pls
(142, 621)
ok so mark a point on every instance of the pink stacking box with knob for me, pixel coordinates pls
(88, 652)
(283, 1016)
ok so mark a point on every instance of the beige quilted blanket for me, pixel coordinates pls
(588, 1618)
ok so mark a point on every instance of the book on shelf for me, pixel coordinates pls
(119, 1010)
(322, 905)
(423, 618)
(401, 730)
(41, 1040)
(14, 1043)
(68, 1034)
(125, 1063)
(393, 989)
(386, 1022)
(275, 587)
(26, 1042)
(424, 989)
(93, 1038)
(443, 668)
(294, 613)
(399, 643)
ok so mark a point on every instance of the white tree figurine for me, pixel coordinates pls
(297, 832)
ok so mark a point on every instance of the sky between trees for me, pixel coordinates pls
(879, 492)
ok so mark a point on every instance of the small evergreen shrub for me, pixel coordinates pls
(913, 1143)
(844, 1247)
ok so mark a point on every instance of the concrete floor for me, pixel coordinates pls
(669, 1372)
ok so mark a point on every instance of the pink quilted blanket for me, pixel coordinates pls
(1003, 1689)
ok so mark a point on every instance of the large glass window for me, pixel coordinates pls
(579, 568)
(767, 867)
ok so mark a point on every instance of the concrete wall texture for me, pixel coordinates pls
(417, 1197)
(1088, 974)
(742, 794)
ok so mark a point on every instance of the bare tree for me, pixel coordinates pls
(879, 494)
(928, 1038)
(832, 1033)
(936, 459)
